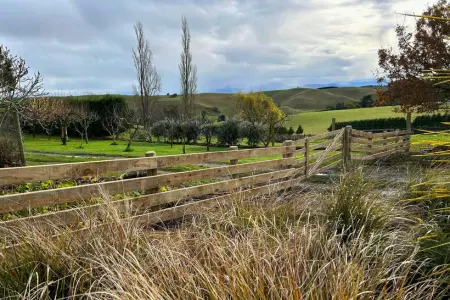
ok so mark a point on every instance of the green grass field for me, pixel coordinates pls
(104, 147)
(318, 122)
(42, 150)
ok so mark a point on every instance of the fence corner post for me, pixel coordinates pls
(234, 161)
(152, 172)
(346, 148)
(288, 153)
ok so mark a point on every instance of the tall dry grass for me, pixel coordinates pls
(288, 246)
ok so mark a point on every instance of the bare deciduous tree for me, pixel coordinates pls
(113, 124)
(84, 118)
(63, 112)
(38, 113)
(188, 74)
(149, 81)
(16, 86)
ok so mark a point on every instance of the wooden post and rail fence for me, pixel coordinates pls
(282, 168)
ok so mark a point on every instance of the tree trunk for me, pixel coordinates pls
(63, 136)
(130, 141)
(19, 137)
(86, 136)
(408, 121)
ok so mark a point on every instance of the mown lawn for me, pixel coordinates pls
(42, 150)
(104, 147)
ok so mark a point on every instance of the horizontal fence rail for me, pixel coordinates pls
(369, 146)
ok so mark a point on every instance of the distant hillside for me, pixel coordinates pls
(298, 99)
(318, 99)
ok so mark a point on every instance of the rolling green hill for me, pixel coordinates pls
(298, 99)
(318, 99)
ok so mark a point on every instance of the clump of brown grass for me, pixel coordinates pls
(272, 247)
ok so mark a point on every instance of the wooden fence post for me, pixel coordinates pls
(370, 146)
(397, 139)
(306, 156)
(234, 161)
(385, 141)
(288, 154)
(408, 140)
(346, 148)
(152, 172)
(333, 124)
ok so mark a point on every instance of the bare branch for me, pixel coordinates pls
(149, 80)
(188, 71)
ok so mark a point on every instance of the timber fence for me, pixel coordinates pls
(279, 168)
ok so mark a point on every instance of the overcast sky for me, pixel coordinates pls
(84, 46)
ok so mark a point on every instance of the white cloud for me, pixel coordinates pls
(85, 45)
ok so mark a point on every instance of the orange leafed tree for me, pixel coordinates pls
(411, 73)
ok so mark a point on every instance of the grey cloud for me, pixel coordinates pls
(84, 45)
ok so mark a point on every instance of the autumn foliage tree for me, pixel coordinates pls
(421, 55)
(259, 109)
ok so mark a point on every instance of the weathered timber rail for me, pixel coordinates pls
(283, 168)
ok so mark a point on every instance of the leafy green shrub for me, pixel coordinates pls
(208, 130)
(373, 124)
(228, 132)
(299, 130)
(159, 129)
(193, 130)
(253, 132)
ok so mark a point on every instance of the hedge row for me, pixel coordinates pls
(424, 121)
(373, 124)
(431, 121)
